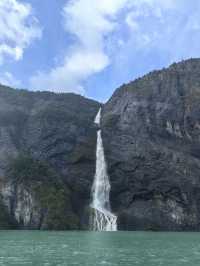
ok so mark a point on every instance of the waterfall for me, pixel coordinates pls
(102, 218)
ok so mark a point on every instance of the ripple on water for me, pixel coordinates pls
(96, 249)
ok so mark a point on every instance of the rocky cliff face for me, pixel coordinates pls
(151, 133)
(47, 159)
(151, 136)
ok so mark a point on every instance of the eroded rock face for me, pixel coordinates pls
(151, 133)
(151, 136)
(22, 206)
(57, 130)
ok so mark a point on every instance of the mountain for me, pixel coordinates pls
(151, 136)
(47, 159)
(151, 133)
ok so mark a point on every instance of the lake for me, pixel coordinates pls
(92, 248)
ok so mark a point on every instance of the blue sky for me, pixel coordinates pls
(91, 47)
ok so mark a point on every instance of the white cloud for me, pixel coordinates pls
(148, 10)
(18, 28)
(117, 32)
(90, 22)
(165, 26)
(157, 33)
(7, 79)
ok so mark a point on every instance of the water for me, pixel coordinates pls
(22, 248)
(102, 217)
(97, 119)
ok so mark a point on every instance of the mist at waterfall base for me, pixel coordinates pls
(102, 219)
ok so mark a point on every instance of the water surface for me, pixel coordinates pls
(21, 248)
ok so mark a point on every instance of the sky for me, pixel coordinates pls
(91, 47)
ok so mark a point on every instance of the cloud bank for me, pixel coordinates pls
(103, 33)
(107, 42)
(90, 23)
(18, 28)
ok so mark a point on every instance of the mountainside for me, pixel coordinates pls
(151, 133)
(47, 159)
(151, 136)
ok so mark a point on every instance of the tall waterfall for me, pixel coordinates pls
(102, 218)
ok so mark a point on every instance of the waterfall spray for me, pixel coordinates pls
(102, 218)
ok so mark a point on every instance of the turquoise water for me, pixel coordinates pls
(23, 248)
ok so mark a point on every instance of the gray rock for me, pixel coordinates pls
(151, 133)
(56, 129)
(151, 136)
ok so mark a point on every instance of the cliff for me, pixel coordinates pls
(151, 136)
(151, 132)
(47, 159)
